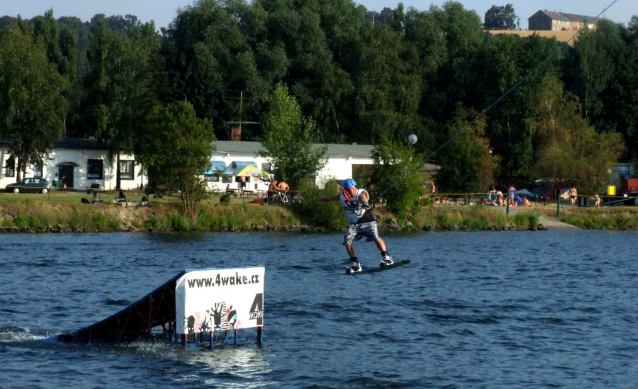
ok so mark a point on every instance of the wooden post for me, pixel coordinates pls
(259, 336)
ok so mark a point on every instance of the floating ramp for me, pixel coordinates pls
(135, 321)
(195, 304)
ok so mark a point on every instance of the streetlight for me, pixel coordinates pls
(412, 139)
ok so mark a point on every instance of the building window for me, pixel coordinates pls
(10, 167)
(95, 169)
(37, 169)
(126, 170)
(267, 167)
(227, 179)
(212, 178)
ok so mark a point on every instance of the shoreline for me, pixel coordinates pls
(37, 216)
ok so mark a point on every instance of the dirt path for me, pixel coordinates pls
(547, 222)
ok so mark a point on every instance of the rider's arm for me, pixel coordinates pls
(363, 197)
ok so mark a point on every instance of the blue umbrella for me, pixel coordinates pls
(525, 193)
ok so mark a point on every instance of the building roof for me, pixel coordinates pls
(334, 150)
(580, 18)
(567, 17)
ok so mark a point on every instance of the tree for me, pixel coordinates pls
(467, 163)
(118, 86)
(503, 60)
(211, 62)
(568, 149)
(288, 138)
(396, 169)
(176, 151)
(32, 103)
(500, 18)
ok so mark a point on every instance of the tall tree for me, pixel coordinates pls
(568, 148)
(32, 102)
(118, 85)
(500, 18)
(467, 163)
(213, 66)
(176, 150)
(396, 171)
(503, 61)
(288, 139)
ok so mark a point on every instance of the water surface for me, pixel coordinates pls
(472, 310)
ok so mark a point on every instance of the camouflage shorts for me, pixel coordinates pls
(358, 231)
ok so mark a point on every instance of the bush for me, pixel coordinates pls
(477, 223)
(311, 211)
(225, 198)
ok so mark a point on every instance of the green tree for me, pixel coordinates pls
(396, 170)
(591, 65)
(32, 103)
(118, 86)
(467, 162)
(568, 148)
(504, 60)
(500, 18)
(176, 151)
(288, 139)
(601, 70)
(211, 62)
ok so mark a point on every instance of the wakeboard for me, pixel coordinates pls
(382, 268)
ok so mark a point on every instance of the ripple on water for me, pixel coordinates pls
(497, 310)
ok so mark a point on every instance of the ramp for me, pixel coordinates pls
(192, 306)
(135, 321)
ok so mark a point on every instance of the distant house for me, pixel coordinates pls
(558, 21)
(77, 163)
(231, 156)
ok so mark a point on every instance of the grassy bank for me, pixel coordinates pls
(63, 212)
(604, 218)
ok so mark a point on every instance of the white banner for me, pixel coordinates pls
(219, 299)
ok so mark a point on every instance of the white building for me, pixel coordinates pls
(77, 163)
(231, 156)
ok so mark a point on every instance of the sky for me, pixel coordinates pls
(164, 11)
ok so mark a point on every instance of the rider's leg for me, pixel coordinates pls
(350, 250)
(385, 258)
(380, 244)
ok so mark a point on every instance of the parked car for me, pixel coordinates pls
(34, 185)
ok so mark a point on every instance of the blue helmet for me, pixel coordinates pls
(348, 183)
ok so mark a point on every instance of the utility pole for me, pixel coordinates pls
(241, 105)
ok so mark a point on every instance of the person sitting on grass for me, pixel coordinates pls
(120, 198)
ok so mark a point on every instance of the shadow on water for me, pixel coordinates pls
(176, 237)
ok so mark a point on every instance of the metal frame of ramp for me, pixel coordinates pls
(135, 321)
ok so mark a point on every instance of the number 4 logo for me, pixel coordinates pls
(257, 309)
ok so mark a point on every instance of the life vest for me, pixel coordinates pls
(350, 204)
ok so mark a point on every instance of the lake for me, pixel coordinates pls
(528, 309)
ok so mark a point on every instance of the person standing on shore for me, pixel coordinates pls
(283, 187)
(362, 222)
(573, 194)
(272, 190)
